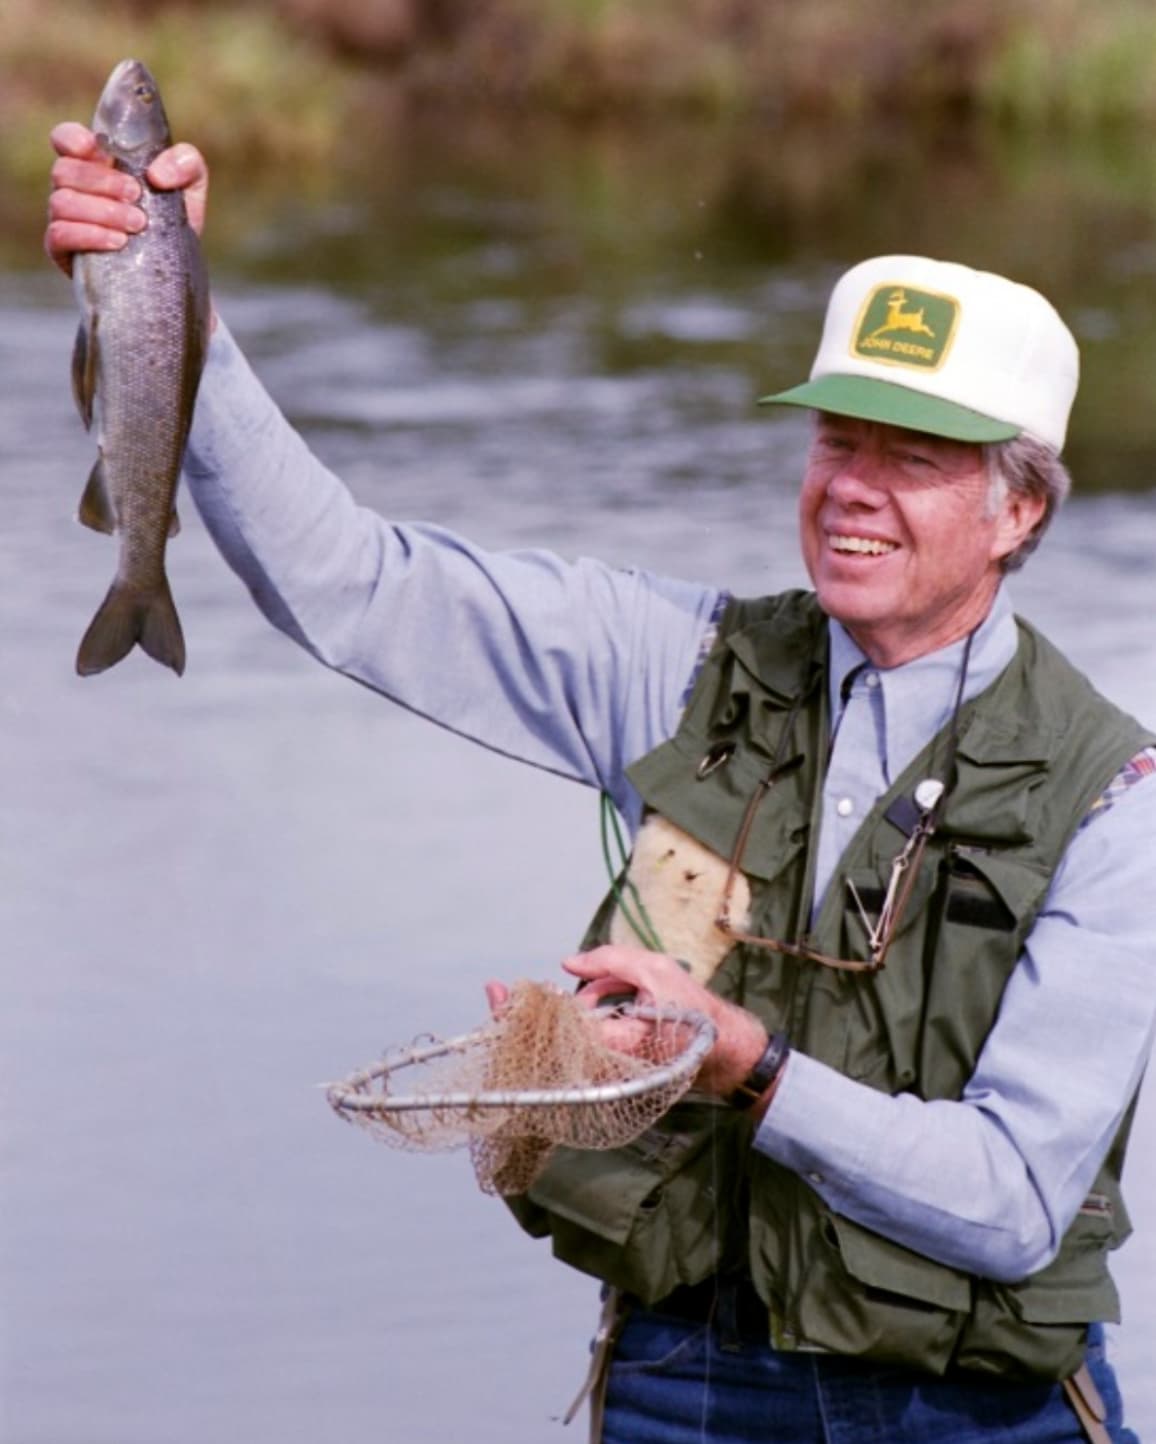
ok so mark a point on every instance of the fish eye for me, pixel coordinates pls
(145, 93)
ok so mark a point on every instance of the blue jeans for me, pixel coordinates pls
(679, 1381)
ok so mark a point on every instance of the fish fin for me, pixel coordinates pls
(125, 618)
(84, 358)
(174, 524)
(161, 636)
(96, 509)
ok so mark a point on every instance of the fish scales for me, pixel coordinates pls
(140, 352)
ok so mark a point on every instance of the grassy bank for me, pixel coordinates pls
(236, 72)
(232, 76)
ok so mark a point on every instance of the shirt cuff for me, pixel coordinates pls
(821, 1126)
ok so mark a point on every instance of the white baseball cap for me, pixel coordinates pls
(937, 347)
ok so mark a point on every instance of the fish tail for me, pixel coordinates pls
(127, 617)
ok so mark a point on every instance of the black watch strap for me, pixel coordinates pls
(763, 1074)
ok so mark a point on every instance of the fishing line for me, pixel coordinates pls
(716, 1233)
(641, 923)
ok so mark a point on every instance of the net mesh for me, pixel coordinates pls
(540, 1074)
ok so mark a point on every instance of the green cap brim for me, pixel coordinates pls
(872, 400)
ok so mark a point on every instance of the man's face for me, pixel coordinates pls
(898, 538)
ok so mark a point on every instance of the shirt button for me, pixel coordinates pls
(815, 1178)
(844, 807)
(872, 679)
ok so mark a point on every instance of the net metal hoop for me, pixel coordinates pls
(357, 1095)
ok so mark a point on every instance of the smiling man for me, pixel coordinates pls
(924, 922)
(907, 520)
(904, 534)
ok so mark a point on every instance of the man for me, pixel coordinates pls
(920, 842)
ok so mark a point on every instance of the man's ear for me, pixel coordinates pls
(1019, 515)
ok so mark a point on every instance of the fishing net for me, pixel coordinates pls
(540, 1074)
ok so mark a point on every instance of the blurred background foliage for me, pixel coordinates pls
(1008, 133)
(1026, 63)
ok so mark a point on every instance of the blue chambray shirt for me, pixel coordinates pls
(888, 716)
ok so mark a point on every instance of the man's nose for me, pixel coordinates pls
(860, 480)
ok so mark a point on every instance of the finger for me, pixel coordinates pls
(179, 166)
(183, 167)
(63, 239)
(598, 962)
(72, 138)
(598, 992)
(657, 978)
(82, 222)
(83, 207)
(91, 205)
(95, 178)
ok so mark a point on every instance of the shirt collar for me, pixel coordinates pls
(918, 696)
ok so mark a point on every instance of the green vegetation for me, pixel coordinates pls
(617, 147)
(235, 70)
(231, 75)
(795, 106)
(1085, 66)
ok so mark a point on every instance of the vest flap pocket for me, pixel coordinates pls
(649, 1216)
(1076, 1287)
(776, 658)
(604, 1190)
(1088, 1304)
(997, 740)
(976, 875)
(994, 796)
(881, 1264)
(598, 1191)
(711, 807)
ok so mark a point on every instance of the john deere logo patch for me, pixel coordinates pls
(906, 327)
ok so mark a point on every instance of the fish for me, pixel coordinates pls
(136, 366)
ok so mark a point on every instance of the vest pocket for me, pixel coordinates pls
(651, 1215)
(865, 1295)
(1038, 1328)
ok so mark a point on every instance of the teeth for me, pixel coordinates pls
(867, 545)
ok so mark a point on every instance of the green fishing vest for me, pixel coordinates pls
(691, 1198)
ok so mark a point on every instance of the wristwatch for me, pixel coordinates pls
(763, 1074)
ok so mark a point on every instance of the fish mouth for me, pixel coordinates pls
(137, 69)
(850, 544)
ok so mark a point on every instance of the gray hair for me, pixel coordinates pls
(1025, 467)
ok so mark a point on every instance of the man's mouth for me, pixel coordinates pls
(861, 545)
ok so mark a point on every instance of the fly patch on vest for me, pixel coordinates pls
(680, 885)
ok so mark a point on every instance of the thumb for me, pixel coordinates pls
(183, 167)
(497, 996)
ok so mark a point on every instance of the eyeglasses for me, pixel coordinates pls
(881, 931)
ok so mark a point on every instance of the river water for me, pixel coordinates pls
(217, 893)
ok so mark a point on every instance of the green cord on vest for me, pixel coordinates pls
(644, 929)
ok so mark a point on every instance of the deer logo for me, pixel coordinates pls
(902, 325)
(900, 320)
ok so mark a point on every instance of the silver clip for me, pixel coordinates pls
(714, 758)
